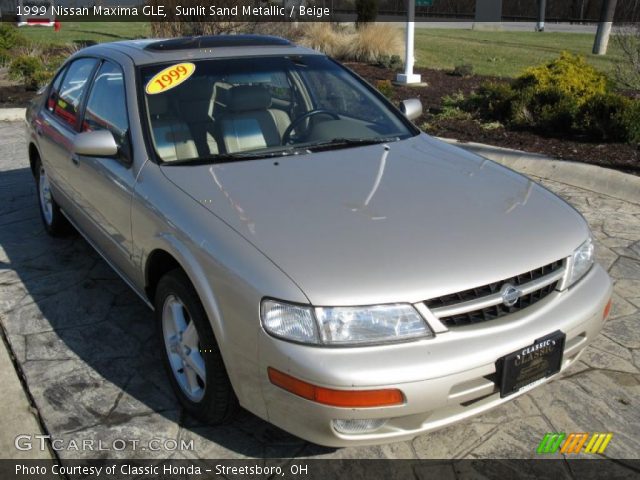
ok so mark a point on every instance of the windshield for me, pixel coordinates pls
(229, 109)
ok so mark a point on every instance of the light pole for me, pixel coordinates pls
(604, 27)
(408, 76)
(542, 7)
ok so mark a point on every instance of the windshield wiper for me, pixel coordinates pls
(232, 157)
(332, 144)
(336, 143)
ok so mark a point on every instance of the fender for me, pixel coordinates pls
(193, 269)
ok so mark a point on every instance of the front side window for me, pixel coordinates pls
(251, 107)
(333, 90)
(106, 106)
(72, 89)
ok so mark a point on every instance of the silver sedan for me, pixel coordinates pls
(309, 253)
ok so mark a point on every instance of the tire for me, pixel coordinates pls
(54, 222)
(207, 396)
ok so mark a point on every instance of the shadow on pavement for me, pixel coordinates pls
(87, 347)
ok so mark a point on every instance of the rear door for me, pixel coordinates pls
(57, 126)
(105, 185)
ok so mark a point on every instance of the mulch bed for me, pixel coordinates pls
(619, 156)
(15, 96)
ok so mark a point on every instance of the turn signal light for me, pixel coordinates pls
(336, 398)
(607, 310)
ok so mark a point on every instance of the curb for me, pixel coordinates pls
(12, 114)
(613, 183)
(24, 418)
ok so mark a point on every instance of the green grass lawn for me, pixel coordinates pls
(82, 32)
(504, 54)
(498, 53)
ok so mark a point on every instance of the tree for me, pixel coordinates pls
(367, 11)
(628, 69)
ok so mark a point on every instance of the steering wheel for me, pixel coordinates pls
(286, 136)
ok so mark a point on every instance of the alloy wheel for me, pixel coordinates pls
(182, 345)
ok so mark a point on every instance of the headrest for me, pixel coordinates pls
(244, 98)
(196, 89)
(158, 104)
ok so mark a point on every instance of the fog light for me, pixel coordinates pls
(358, 425)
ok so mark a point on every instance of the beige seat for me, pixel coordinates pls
(247, 121)
(195, 102)
(172, 137)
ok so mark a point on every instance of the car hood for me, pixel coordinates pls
(401, 222)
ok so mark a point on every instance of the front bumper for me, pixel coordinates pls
(445, 379)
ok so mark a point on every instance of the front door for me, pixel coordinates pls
(105, 186)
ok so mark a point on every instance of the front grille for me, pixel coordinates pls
(535, 284)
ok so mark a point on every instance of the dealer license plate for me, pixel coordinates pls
(525, 368)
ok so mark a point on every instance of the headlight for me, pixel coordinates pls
(293, 322)
(343, 325)
(581, 261)
(376, 324)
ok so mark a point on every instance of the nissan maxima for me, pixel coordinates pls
(309, 253)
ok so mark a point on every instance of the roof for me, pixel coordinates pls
(213, 41)
(148, 51)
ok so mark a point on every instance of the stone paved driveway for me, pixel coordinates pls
(87, 349)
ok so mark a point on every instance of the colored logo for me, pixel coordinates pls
(574, 443)
(169, 78)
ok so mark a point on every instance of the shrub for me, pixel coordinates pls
(324, 37)
(454, 108)
(28, 69)
(455, 100)
(370, 43)
(630, 119)
(385, 87)
(392, 62)
(563, 96)
(463, 70)
(10, 37)
(492, 101)
(374, 41)
(550, 97)
(40, 78)
(568, 76)
(603, 117)
(24, 66)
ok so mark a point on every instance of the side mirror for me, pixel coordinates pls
(99, 143)
(412, 108)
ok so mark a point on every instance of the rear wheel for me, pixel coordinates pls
(191, 354)
(53, 220)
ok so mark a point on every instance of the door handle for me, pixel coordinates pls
(75, 159)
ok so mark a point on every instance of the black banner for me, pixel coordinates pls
(315, 469)
(44, 11)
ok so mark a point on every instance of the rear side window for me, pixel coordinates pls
(106, 107)
(72, 89)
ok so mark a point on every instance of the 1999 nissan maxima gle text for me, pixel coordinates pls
(309, 253)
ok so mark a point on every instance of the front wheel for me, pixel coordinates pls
(191, 354)
(53, 220)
